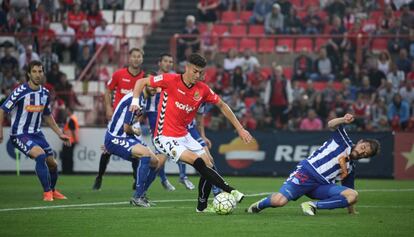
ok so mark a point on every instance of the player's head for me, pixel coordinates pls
(34, 72)
(194, 69)
(136, 57)
(150, 90)
(365, 148)
(165, 62)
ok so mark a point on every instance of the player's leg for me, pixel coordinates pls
(134, 165)
(164, 180)
(103, 163)
(152, 174)
(216, 190)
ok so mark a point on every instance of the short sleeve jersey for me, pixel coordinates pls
(123, 82)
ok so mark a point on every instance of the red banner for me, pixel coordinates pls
(404, 156)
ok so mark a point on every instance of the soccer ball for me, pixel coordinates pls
(224, 203)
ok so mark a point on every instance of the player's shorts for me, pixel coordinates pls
(196, 135)
(121, 146)
(173, 147)
(25, 142)
(301, 182)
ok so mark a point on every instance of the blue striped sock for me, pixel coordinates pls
(53, 178)
(142, 173)
(43, 172)
(265, 202)
(162, 174)
(337, 201)
(182, 168)
(150, 178)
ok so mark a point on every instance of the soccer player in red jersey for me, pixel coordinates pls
(122, 82)
(181, 96)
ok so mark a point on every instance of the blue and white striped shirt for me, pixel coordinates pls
(325, 160)
(150, 104)
(26, 107)
(121, 116)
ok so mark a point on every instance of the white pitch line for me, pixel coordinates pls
(185, 200)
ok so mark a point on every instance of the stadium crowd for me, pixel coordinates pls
(318, 85)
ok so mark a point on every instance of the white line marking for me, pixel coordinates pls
(83, 205)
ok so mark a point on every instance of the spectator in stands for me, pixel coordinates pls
(46, 35)
(320, 107)
(248, 121)
(346, 68)
(324, 67)
(64, 91)
(76, 17)
(66, 41)
(410, 43)
(397, 43)
(48, 58)
(104, 38)
(8, 60)
(410, 75)
(248, 61)
(83, 60)
(4, 26)
(339, 105)
(297, 91)
(274, 21)
(387, 21)
(258, 109)
(260, 10)
(113, 4)
(221, 79)
(313, 23)
(53, 77)
(231, 5)
(40, 17)
(382, 124)
(396, 77)
(189, 41)
(27, 56)
(329, 93)
(310, 91)
(239, 80)
(292, 24)
(349, 19)
(7, 80)
(376, 77)
(26, 30)
(209, 40)
(311, 122)
(256, 82)
(407, 91)
(407, 18)
(403, 62)
(298, 111)
(384, 62)
(85, 37)
(336, 8)
(387, 93)
(334, 44)
(237, 105)
(94, 15)
(349, 92)
(231, 61)
(285, 7)
(360, 110)
(277, 97)
(207, 10)
(302, 66)
(366, 90)
(399, 111)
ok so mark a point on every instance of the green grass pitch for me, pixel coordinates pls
(386, 208)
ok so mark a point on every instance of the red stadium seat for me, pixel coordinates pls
(323, 15)
(248, 101)
(304, 43)
(376, 15)
(284, 45)
(266, 71)
(310, 3)
(302, 14)
(256, 30)
(229, 17)
(220, 29)
(320, 42)
(266, 45)
(209, 74)
(238, 30)
(288, 72)
(379, 44)
(226, 44)
(202, 27)
(245, 16)
(296, 3)
(247, 44)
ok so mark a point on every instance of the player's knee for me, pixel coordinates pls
(139, 151)
(278, 200)
(351, 196)
(51, 163)
(36, 151)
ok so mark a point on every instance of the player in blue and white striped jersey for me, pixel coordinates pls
(27, 104)
(122, 138)
(315, 177)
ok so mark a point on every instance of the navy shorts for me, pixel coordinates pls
(121, 146)
(301, 182)
(25, 142)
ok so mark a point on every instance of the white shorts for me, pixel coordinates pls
(173, 147)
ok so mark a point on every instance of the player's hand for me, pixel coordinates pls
(245, 135)
(207, 141)
(137, 131)
(352, 210)
(134, 108)
(109, 113)
(65, 138)
(349, 118)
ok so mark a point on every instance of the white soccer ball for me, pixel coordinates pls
(224, 203)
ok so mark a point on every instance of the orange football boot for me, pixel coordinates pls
(48, 196)
(58, 195)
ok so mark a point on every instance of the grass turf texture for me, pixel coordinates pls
(386, 209)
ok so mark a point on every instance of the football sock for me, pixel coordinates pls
(337, 201)
(265, 202)
(142, 174)
(204, 189)
(150, 178)
(162, 174)
(42, 172)
(210, 175)
(103, 163)
(134, 165)
(53, 178)
(216, 190)
(181, 167)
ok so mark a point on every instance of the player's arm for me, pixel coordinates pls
(334, 123)
(349, 182)
(1, 124)
(228, 113)
(128, 127)
(108, 103)
(201, 130)
(138, 89)
(50, 121)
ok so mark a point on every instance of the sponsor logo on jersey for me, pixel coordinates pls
(197, 96)
(34, 108)
(9, 104)
(187, 108)
(182, 92)
(126, 80)
(125, 91)
(158, 78)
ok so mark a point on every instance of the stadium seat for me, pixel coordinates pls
(323, 15)
(266, 71)
(134, 31)
(369, 25)
(310, 3)
(202, 27)
(249, 101)
(284, 45)
(320, 42)
(301, 14)
(247, 43)
(118, 29)
(152, 5)
(226, 44)
(296, 3)
(81, 117)
(220, 29)
(209, 74)
(238, 30)
(288, 72)
(304, 43)
(87, 101)
(229, 17)
(132, 5)
(245, 16)
(69, 70)
(56, 26)
(256, 30)
(142, 17)
(123, 17)
(375, 15)
(266, 45)
(11, 39)
(379, 44)
(108, 15)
